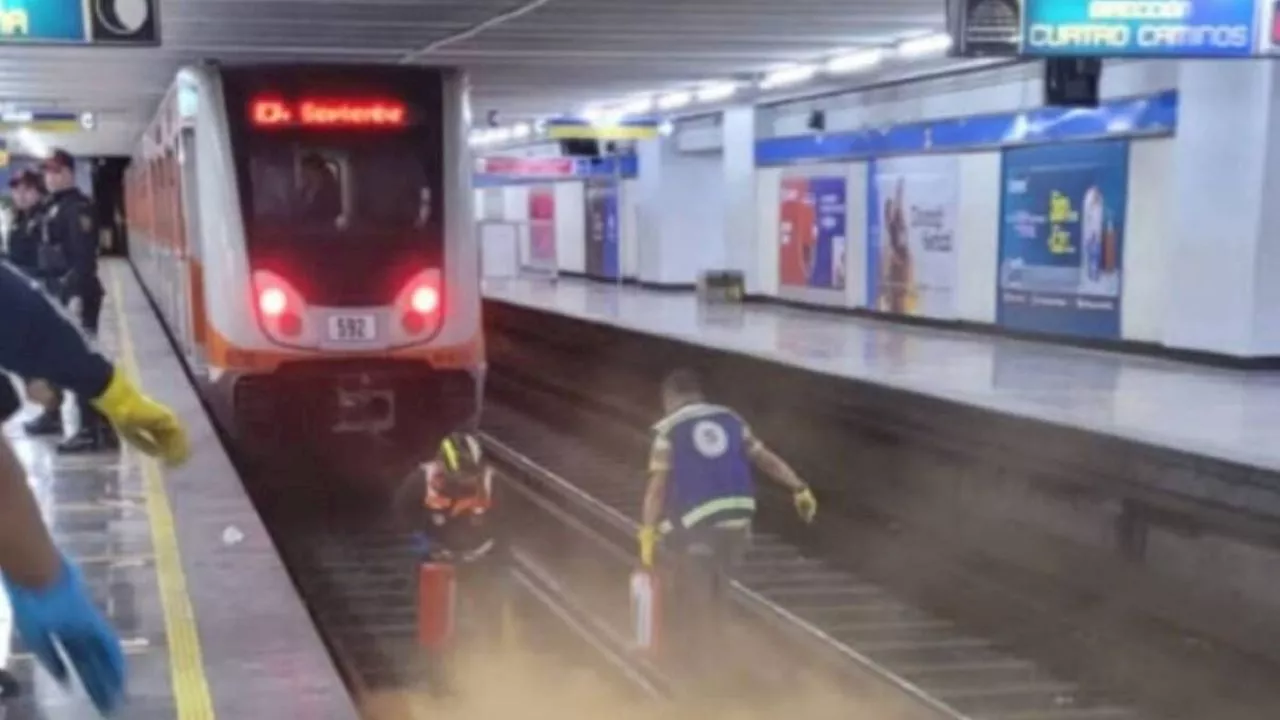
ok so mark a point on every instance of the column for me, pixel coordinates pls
(1223, 258)
(679, 212)
(738, 128)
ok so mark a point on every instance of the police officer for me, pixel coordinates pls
(24, 237)
(52, 609)
(71, 237)
(702, 497)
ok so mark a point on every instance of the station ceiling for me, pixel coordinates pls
(527, 58)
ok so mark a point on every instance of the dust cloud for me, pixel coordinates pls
(517, 682)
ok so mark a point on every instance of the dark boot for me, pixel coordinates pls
(49, 423)
(107, 437)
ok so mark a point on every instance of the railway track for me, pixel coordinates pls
(936, 666)
(357, 576)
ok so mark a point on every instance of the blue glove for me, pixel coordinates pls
(64, 615)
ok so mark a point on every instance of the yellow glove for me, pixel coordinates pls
(648, 540)
(806, 504)
(143, 422)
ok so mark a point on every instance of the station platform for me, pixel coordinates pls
(179, 560)
(1230, 416)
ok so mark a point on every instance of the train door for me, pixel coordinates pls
(192, 269)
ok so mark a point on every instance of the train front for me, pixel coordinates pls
(355, 193)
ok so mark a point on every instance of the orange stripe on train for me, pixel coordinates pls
(225, 354)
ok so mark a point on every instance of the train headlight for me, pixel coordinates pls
(425, 300)
(280, 306)
(273, 301)
(419, 303)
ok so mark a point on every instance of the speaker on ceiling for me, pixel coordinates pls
(1072, 82)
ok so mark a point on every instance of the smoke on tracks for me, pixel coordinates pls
(516, 682)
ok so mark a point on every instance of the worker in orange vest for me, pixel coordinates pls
(448, 503)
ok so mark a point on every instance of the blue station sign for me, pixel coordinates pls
(79, 22)
(1140, 28)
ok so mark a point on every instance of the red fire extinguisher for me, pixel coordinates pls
(437, 601)
(646, 606)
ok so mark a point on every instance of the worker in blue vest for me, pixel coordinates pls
(53, 611)
(701, 497)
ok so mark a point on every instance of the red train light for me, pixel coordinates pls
(425, 300)
(273, 301)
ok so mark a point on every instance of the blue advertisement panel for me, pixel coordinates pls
(131, 22)
(602, 252)
(1062, 238)
(1139, 28)
(830, 211)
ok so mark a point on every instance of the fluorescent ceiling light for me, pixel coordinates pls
(501, 134)
(34, 144)
(855, 62)
(674, 100)
(636, 106)
(935, 44)
(520, 130)
(716, 92)
(592, 114)
(788, 76)
(666, 128)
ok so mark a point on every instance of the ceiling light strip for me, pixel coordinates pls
(858, 61)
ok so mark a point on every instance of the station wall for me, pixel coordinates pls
(977, 237)
(674, 206)
(512, 205)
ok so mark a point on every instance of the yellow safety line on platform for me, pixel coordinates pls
(186, 662)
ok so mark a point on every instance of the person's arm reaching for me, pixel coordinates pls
(52, 609)
(777, 469)
(27, 554)
(654, 497)
(38, 340)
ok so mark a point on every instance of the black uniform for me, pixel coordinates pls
(69, 262)
(24, 240)
(71, 235)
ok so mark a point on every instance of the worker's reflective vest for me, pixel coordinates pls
(709, 481)
(439, 498)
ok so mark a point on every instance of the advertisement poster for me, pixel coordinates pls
(542, 226)
(1156, 28)
(1062, 238)
(913, 206)
(602, 228)
(812, 231)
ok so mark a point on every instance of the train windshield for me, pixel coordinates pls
(340, 171)
(338, 186)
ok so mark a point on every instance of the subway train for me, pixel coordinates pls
(305, 233)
